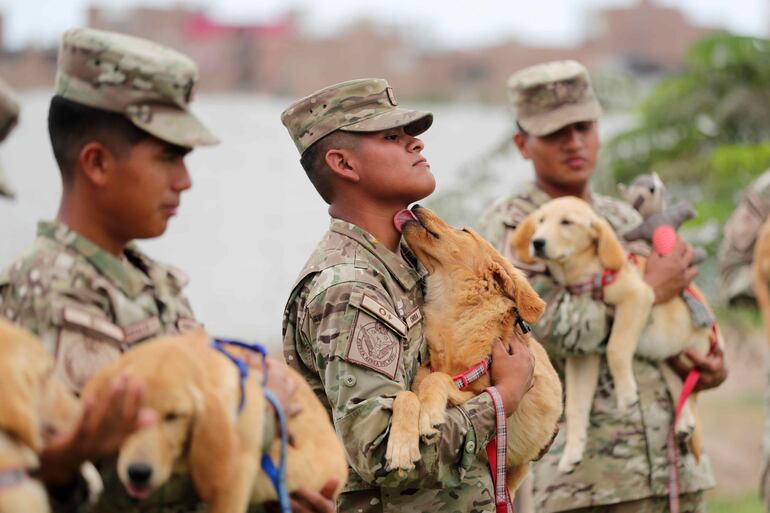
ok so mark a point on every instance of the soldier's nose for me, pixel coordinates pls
(139, 473)
(539, 246)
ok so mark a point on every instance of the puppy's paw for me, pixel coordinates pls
(571, 458)
(430, 418)
(627, 400)
(685, 425)
(403, 450)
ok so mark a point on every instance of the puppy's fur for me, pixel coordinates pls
(760, 273)
(33, 404)
(472, 294)
(575, 243)
(195, 391)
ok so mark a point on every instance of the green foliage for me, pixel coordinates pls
(707, 127)
(742, 504)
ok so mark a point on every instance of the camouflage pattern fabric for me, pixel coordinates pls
(9, 110)
(353, 328)
(363, 105)
(552, 95)
(625, 456)
(740, 234)
(9, 116)
(88, 307)
(688, 503)
(150, 84)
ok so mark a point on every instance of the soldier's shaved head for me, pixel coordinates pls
(313, 160)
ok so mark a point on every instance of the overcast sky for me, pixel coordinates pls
(447, 22)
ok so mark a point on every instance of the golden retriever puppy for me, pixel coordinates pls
(473, 296)
(577, 245)
(760, 274)
(196, 392)
(34, 403)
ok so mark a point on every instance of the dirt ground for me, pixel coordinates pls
(733, 415)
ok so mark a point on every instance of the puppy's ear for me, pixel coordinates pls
(515, 285)
(611, 254)
(212, 445)
(521, 237)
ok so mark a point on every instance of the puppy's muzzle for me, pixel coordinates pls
(538, 247)
(139, 474)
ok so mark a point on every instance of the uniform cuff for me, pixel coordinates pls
(481, 413)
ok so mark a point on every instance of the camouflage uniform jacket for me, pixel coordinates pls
(88, 306)
(736, 251)
(353, 328)
(625, 456)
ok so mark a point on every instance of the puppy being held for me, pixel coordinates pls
(34, 406)
(210, 425)
(578, 248)
(474, 296)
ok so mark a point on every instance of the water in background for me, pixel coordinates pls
(252, 218)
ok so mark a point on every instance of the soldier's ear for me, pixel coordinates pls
(344, 164)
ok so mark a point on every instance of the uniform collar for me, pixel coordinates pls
(406, 275)
(129, 278)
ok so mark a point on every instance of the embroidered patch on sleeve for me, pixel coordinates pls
(374, 345)
(413, 317)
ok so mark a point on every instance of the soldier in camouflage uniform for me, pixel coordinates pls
(120, 128)
(353, 325)
(736, 253)
(737, 248)
(9, 116)
(624, 466)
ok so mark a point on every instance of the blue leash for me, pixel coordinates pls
(277, 475)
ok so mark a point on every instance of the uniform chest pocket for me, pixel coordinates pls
(377, 335)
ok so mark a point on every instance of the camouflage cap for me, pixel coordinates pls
(549, 96)
(150, 84)
(362, 105)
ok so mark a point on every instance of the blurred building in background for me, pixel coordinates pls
(279, 58)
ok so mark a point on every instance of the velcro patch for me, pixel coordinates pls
(374, 345)
(84, 319)
(384, 313)
(142, 330)
(413, 317)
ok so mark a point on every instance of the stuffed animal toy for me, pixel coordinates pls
(647, 195)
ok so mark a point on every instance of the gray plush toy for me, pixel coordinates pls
(647, 195)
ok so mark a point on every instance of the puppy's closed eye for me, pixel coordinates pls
(566, 222)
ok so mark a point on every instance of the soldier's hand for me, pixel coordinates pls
(308, 501)
(713, 371)
(104, 424)
(669, 275)
(513, 368)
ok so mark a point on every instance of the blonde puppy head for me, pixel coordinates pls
(461, 256)
(565, 227)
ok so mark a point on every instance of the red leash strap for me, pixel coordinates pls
(496, 452)
(674, 486)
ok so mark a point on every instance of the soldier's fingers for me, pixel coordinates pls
(131, 402)
(690, 273)
(676, 363)
(146, 418)
(312, 501)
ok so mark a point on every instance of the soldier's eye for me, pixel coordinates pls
(170, 417)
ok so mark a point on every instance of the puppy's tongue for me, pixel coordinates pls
(403, 217)
(139, 493)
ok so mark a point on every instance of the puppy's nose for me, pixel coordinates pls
(139, 473)
(539, 246)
